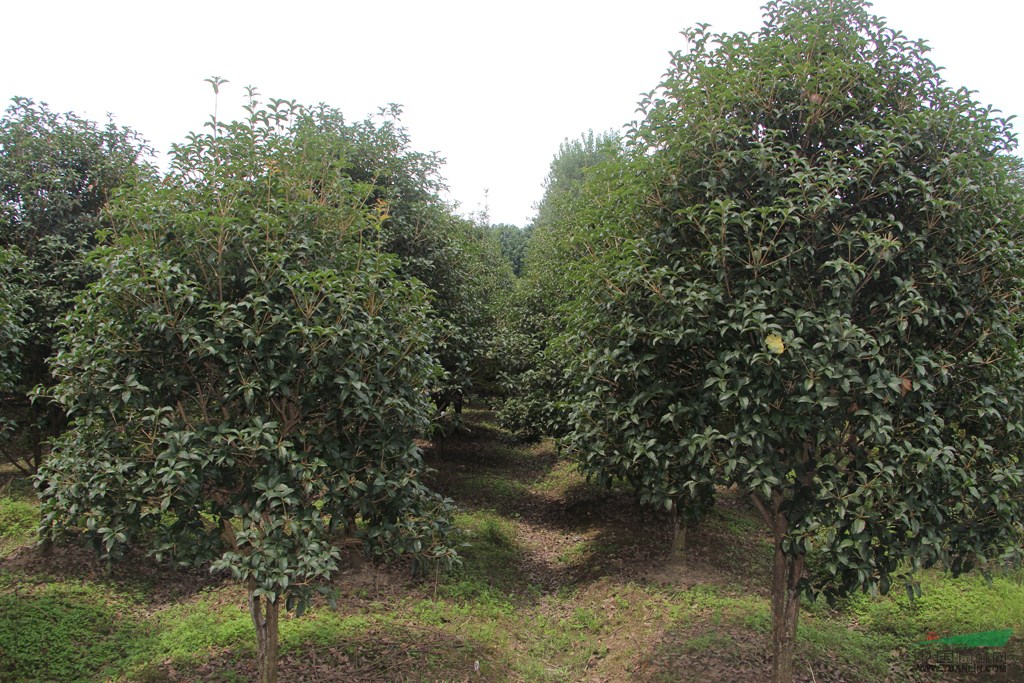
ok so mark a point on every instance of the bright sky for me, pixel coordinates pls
(493, 86)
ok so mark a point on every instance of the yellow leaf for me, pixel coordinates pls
(775, 344)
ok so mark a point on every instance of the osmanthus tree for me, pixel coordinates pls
(13, 330)
(57, 172)
(823, 310)
(585, 182)
(512, 240)
(246, 378)
(454, 257)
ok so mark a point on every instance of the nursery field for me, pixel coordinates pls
(559, 581)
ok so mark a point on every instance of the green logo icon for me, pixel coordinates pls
(982, 639)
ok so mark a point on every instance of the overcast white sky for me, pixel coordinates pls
(493, 86)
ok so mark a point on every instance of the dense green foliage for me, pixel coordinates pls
(248, 374)
(568, 170)
(57, 172)
(822, 307)
(585, 177)
(13, 325)
(513, 241)
(458, 261)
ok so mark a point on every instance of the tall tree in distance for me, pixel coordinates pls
(568, 170)
(57, 173)
(513, 240)
(823, 307)
(563, 239)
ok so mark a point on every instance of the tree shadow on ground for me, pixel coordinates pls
(704, 653)
(377, 654)
(162, 582)
(572, 532)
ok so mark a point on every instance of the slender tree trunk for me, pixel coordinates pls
(786, 575)
(264, 618)
(36, 438)
(787, 571)
(678, 532)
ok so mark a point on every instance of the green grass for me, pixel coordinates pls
(562, 477)
(490, 556)
(947, 606)
(860, 651)
(493, 488)
(18, 523)
(63, 631)
(190, 632)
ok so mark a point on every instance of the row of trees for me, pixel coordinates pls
(246, 347)
(800, 275)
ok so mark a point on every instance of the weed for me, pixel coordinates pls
(855, 650)
(561, 478)
(490, 555)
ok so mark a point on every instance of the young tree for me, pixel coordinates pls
(57, 172)
(248, 374)
(824, 309)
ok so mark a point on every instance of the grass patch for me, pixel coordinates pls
(63, 631)
(561, 478)
(193, 631)
(574, 554)
(15, 485)
(864, 653)
(322, 627)
(733, 522)
(492, 488)
(718, 605)
(947, 606)
(490, 556)
(18, 523)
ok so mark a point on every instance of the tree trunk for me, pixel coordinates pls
(35, 437)
(264, 618)
(787, 571)
(678, 531)
(786, 575)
